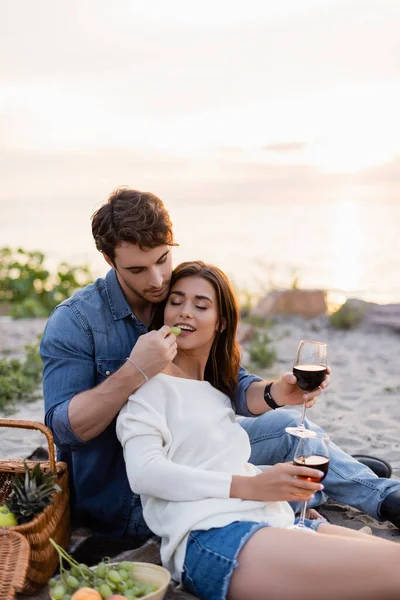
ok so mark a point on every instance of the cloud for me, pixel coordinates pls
(381, 174)
(285, 147)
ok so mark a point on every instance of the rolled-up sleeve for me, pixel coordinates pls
(68, 369)
(245, 379)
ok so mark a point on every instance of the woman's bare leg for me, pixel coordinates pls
(330, 529)
(282, 564)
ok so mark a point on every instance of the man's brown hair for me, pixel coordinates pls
(134, 217)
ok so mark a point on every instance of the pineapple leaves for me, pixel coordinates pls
(32, 493)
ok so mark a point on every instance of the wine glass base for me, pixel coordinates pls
(301, 432)
(301, 528)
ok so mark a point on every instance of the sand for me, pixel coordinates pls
(360, 410)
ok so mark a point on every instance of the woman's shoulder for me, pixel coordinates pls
(158, 383)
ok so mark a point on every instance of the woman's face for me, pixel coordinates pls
(192, 305)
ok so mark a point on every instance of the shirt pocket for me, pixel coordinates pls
(107, 367)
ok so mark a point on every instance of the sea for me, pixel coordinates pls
(351, 248)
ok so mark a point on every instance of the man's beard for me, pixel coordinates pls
(147, 296)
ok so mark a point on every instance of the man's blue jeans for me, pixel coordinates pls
(348, 481)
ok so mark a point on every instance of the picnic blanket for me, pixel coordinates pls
(149, 551)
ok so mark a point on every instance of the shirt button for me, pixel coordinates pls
(107, 372)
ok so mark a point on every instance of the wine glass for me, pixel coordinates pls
(310, 370)
(312, 452)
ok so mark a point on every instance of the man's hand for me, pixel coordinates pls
(154, 351)
(285, 391)
(280, 482)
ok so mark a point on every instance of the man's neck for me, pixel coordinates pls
(144, 312)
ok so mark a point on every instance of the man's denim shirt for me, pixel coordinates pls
(87, 338)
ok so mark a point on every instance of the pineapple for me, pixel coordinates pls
(31, 494)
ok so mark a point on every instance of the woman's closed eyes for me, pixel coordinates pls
(172, 303)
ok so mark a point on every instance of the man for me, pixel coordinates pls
(97, 350)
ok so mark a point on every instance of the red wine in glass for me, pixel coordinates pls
(310, 370)
(313, 462)
(312, 452)
(309, 377)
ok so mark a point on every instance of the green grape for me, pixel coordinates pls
(123, 573)
(175, 330)
(52, 582)
(147, 588)
(74, 571)
(125, 564)
(72, 582)
(58, 592)
(111, 585)
(101, 570)
(66, 597)
(122, 586)
(85, 572)
(137, 592)
(114, 576)
(105, 591)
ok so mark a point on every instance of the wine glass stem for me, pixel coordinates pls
(302, 514)
(303, 416)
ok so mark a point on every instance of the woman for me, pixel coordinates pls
(226, 526)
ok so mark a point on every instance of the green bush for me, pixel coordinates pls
(19, 380)
(260, 352)
(30, 289)
(348, 316)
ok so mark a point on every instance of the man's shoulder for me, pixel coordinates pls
(91, 299)
(90, 294)
(87, 306)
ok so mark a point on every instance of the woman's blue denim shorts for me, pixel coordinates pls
(211, 556)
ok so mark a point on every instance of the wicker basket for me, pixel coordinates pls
(53, 522)
(14, 558)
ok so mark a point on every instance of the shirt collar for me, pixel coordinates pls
(118, 305)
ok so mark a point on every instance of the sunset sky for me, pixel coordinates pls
(215, 102)
(310, 82)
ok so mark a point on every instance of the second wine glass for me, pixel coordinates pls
(310, 370)
(312, 452)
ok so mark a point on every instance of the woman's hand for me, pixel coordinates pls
(280, 482)
(285, 391)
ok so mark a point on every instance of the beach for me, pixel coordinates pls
(360, 410)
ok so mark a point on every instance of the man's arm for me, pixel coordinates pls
(77, 410)
(249, 396)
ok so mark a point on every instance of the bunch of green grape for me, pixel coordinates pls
(106, 578)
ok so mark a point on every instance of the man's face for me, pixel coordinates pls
(144, 275)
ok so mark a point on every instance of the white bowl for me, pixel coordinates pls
(147, 573)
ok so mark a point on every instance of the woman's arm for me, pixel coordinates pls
(143, 432)
(150, 473)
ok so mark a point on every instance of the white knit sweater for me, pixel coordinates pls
(182, 445)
